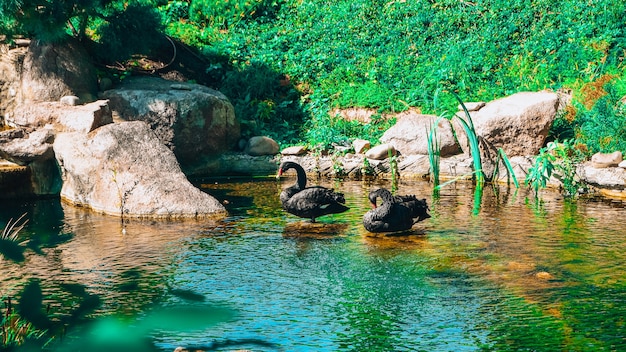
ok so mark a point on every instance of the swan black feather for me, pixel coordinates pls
(309, 202)
(396, 213)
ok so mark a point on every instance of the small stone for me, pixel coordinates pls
(361, 145)
(604, 160)
(261, 145)
(543, 275)
(381, 152)
(70, 100)
(622, 164)
(295, 150)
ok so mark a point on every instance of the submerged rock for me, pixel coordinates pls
(123, 169)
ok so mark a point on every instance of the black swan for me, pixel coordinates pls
(396, 213)
(309, 202)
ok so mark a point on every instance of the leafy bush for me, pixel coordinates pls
(323, 130)
(124, 30)
(226, 14)
(558, 160)
(265, 102)
(602, 126)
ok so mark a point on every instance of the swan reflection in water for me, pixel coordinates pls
(314, 230)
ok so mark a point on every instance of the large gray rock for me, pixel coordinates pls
(192, 120)
(519, 124)
(35, 146)
(410, 135)
(53, 70)
(10, 67)
(61, 117)
(123, 169)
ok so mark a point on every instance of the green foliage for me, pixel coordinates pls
(176, 18)
(265, 102)
(558, 160)
(125, 30)
(602, 128)
(394, 55)
(226, 14)
(15, 330)
(323, 131)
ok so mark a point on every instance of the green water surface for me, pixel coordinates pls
(495, 271)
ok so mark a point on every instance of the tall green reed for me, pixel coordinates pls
(12, 228)
(505, 160)
(472, 137)
(434, 151)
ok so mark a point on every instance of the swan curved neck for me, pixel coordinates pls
(300, 177)
(384, 194)
(300, 174)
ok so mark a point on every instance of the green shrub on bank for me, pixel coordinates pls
(602, 127)
(391, 55)
(380, 54)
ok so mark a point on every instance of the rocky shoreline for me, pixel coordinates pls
(129, 150)
(609, 182)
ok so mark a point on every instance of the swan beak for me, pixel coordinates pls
(279, 174)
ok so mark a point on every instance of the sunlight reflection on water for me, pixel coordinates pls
(516, 275)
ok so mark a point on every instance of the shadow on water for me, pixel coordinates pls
(503, 273)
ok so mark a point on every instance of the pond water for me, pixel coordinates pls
(494, 270)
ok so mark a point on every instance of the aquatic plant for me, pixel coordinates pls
(10, 247)
(434, 151)
(12, 229)
(393, 166)
(366, 168)
(558, 160)
(472, 137)
(15, 330)
(505, 160)
(338, 169)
